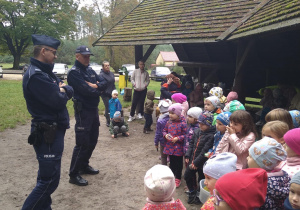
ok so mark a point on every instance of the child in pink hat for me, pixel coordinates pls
(182, 99)
(174, 133)
(292, 148)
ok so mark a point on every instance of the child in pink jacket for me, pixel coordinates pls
(239, 137)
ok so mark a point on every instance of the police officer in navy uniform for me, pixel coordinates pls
(88, 87)
(46, 98)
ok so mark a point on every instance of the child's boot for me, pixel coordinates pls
(146, 131)
(149, 129)
(125, 134)
(115, 136)
(192, 196)
(197, 200)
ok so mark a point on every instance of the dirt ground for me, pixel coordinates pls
(122, 162)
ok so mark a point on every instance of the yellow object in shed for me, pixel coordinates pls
(122, 83)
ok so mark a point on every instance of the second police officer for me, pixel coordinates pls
(88, 86)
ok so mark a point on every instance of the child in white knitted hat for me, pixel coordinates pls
(212, 104)
(114, 104)
(267, 153)
(192, 120)
(214, 168)
(162, 120)
(159, 183)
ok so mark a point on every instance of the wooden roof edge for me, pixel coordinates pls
(157, 42)
(198, 64)
(269, 28)
(94, 44)
(246, 17)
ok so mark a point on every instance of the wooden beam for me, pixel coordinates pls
(138, 54)
(149, 51)
(198, 64)
(232, 28)
(242, 54)
(157, 42)
(181, 52)
(243, 51)
(206, 52)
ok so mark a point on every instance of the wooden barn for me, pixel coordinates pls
(247, 44)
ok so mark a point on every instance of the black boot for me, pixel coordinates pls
(197, 200)
(149, 129)
(145, 131)
(192, 196)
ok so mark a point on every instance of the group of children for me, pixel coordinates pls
(221, 145)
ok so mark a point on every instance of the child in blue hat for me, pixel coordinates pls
(221, 122)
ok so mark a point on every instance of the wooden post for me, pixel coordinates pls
(138, 54)
(243, 52)
(127, 94)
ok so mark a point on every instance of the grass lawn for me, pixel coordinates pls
(13, 110)
(6, 65)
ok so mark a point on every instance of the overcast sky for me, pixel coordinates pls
(85, 2)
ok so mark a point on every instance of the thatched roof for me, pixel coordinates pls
(199, 21)
(276, 15)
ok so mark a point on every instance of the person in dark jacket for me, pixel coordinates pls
(118, 125)
(88, 86)
(200, 143)
(170, 86)
(106, 95)
(46, 98)
(149, 104)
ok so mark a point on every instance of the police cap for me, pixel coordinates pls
(84, 50)
(45, 40)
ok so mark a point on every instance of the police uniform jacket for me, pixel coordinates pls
(41, 91)
(88, 96)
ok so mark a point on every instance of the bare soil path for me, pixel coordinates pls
(123, 163)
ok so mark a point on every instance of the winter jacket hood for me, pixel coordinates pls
(151, 95)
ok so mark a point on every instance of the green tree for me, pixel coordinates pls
(20, 19)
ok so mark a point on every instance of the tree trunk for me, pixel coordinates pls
(17, 58)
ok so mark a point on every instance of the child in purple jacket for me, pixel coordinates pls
(160, 125)
(174, 132)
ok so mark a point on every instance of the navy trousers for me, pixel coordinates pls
(191, 179)
(176, 165)
(49, 158)
(105, 99)
(148, 120)
(86, 134)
